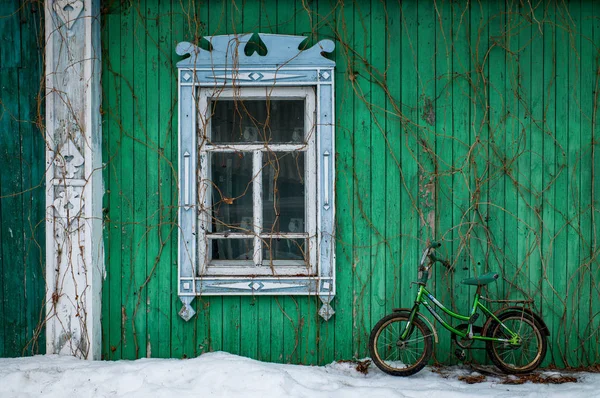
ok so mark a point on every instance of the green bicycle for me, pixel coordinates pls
(401, 343)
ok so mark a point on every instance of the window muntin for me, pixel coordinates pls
(257, 181)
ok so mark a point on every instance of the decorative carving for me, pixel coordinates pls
(326, 311)
(259, 286)
(232, 60)
(229, 50)
(255, 76)
(68, 11)
(187, 312)
(69, 203)
(68, 160)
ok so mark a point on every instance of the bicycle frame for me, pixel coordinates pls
(423, 295)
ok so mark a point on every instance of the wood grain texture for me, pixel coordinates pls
(473, 123)
(22, 196)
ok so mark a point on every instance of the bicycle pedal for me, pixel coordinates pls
(460, 354)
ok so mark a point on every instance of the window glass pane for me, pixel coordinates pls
(284, 249)
(257, 121)
(232, 249)
(231, 177)
(283, 192)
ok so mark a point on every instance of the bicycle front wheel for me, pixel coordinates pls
(530, 350)
(399, 357)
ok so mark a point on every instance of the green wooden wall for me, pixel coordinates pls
(22, 167)
(474, 123)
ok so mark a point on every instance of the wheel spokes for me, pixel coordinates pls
(399, 353)
(526, 352)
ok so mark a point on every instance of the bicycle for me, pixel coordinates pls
(401, 343)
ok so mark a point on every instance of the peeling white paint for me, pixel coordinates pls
(74, 243)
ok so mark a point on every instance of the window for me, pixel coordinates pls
(257, 178)
(256, 170)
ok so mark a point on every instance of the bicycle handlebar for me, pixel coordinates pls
(445, 263)
(434, 259)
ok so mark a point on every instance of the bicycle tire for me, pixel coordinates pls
(395, 323)
(499, 352)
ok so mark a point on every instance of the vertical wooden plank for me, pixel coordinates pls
(106, 75)
(292, 327)
(151, 306)
(30, 82)
(363, 227)
(536, 159)
(7, 57)
(3, 351)
(277, 321)
(126, 181)
(12, 211)
(520, 278)
(344, 184)
(494, 93)
(379, 149)
(441, 116)
(511, 151)
(268, 16)
(461, 115)
(424, 121)
(11, 184)
(410, 245)
(461, 170)
(573, 264)
(167, 192)
(112, 294)
(443, 125)
(479, 135)
(303, 19)
(586, 68)
(139, 244)
(394, 111)
(10, 35)
(480, 141)
(265, 335)
(549, 152)
(595, 325)
(426, 63)
(479, 148)
(497, 124)
(559, 322)
(26, 195)
(248, 326)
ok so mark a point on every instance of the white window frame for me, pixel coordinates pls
(224, 69)
(257, 266)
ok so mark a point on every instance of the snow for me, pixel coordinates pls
(220, 374)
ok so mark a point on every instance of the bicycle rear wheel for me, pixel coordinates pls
(400, 357)
(520, 358)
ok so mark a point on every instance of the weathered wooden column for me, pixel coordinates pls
(74, 246)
